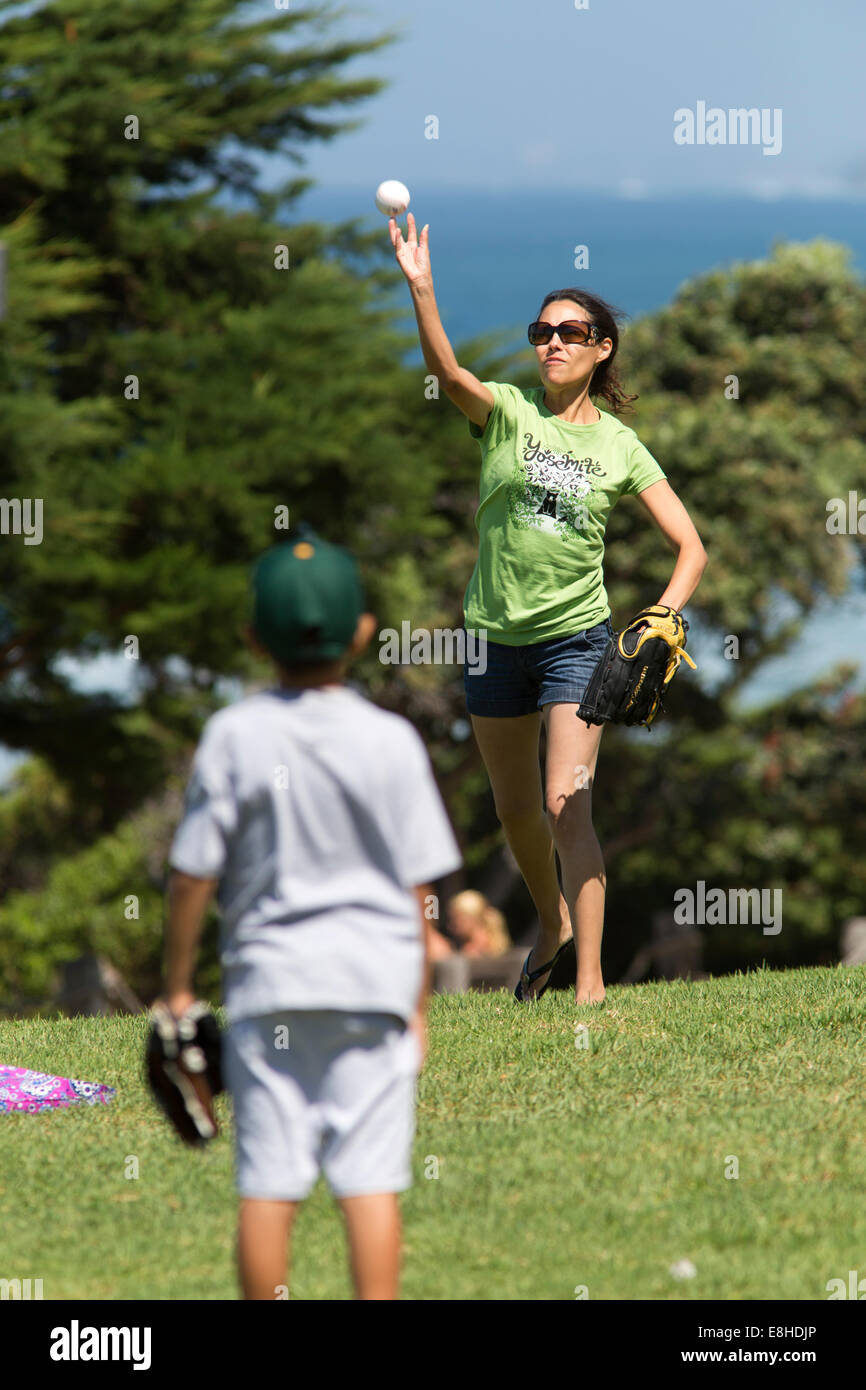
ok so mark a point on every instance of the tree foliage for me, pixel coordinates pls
(166, 385)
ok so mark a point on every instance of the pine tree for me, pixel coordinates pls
(173, 371)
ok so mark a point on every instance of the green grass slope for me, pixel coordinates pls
(568, 1157)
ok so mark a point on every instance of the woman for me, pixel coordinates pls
(553, 465)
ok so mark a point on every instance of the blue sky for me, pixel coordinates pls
(545, 94)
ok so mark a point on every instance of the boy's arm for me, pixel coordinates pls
(418, 1023)
(423, 891)
(188, 900)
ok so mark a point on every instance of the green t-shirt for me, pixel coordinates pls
(546, 491)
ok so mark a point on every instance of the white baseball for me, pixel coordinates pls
(392, 197)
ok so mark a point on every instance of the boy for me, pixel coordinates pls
(318, 816)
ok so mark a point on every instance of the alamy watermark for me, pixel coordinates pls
(22, 516)
(21, 1289)
(856, 1287)
(846, 516)
(443, 646)
(77, 1343)
(700, 907)
(739, 125)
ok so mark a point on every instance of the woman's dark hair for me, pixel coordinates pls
(605, 379)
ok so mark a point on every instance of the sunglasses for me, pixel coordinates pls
(578, 331)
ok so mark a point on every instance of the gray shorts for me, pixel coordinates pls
(339, 1099)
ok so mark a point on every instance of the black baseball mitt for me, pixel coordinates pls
(635, 669)
(184, 1071)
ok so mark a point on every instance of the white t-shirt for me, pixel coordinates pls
(319, 812)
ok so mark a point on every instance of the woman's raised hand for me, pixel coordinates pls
(413, 255)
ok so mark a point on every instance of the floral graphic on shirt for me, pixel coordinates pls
(551, 491)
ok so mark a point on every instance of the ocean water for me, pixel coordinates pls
(495, 255)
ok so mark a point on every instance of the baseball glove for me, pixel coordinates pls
(183, 1062)
(635, 669)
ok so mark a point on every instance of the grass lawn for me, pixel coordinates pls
(559, 1165)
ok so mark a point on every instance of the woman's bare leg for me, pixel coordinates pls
(509, 748)
(572, 753)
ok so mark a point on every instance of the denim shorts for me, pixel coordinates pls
(519, 680)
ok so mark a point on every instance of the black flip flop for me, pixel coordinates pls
(529, 977)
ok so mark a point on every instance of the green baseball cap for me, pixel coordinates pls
(307, 597)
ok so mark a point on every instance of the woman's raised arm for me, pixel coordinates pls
(459, 385)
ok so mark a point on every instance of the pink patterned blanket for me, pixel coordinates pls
(21, 1089)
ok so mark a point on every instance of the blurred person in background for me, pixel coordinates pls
(474, 928)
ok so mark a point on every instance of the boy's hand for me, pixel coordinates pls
(183, 1064)
(177, 1003)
